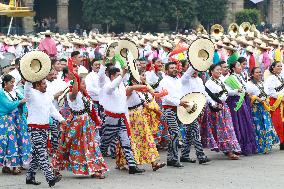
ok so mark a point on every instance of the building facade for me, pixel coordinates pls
(67, 12)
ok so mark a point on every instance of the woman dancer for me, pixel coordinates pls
(15, 146)
(266, 135)
(220, 130)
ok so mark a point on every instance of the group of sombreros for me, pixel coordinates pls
(36, 65)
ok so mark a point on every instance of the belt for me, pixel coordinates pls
(37, 126)
(136, 106)
(170, 107)
(120, 115)
(81, 112)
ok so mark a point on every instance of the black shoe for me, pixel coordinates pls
(282, 146)
(55, 180)
(187, 160)
(134, 170)
(33, 182)
(174, 164)
(205, 160)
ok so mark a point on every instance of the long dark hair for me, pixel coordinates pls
(6, 79)
(232, 66)
(272, 66)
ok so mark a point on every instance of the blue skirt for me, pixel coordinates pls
(15, 145)
(266, 135)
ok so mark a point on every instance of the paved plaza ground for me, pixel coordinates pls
(252, 172)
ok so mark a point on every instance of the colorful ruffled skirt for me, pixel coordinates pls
(266, 135)
(15, 145)
(220, 131)
(142, 140)
(78, 150)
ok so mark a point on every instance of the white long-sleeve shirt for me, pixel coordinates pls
(92, 85)
(40, 106)
(270, 84)
(113, 97)
(252, 89)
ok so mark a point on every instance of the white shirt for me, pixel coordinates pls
(113, 97)
(174, 88)
(215, 88)
(135, 98)
(253, 89)
(152, 78)
(77, 104)
(192, 84)
(40, 106)
(270, 84)
(92, 85)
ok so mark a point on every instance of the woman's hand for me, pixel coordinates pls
(23, 101)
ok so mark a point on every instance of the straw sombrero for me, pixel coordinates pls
(131, 62)
(126, 45)
(47, 32)
(35, 66)
(187, 115)
(167, 45)
(200, 54)
(250, 49)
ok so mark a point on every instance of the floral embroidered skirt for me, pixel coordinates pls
(220, 131)
(266, 135)
(153, 114)
(15, 146)
(78, 150)
(142, 140)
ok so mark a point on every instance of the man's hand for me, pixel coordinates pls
(183, 103)
(57, 95)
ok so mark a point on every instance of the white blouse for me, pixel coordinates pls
(135, 98)
(270, 84)
(216, 88)
(252, 89)
(77, 104)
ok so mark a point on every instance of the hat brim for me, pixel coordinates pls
(131, 62)
(26, 70)
(182, 113)
(198, 62)
(130, 46)
(61, 98)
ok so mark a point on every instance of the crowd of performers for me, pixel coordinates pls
(107, 113)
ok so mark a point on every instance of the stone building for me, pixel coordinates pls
(68, 13)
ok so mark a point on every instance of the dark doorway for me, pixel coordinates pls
(46, 15)
(75, 16)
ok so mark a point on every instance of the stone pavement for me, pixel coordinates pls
(252, 172)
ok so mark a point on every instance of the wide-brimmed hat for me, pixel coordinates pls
(250, 49)
(131, 62)
(155, 45)
(263, 46)
(229, 47)
(47, 32)
(242, 40)
(35, 66)
(200, 54)
(196, 102)
(129, 53)
(126, 45)
(274, 42)
(167, 44)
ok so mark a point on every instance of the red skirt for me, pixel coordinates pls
(277, 119)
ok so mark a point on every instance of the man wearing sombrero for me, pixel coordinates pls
(48, 45)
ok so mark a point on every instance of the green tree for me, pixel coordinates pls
(248, 15)
(106, 12)
(211, 12)
(180, 12)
